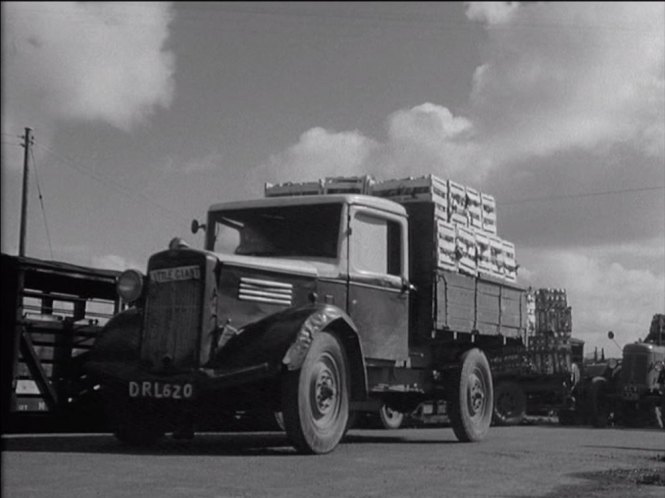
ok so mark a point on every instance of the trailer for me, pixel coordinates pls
(52, 312)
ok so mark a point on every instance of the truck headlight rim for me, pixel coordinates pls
(130, 285)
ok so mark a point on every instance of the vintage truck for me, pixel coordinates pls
(630, 391)
(315, 306)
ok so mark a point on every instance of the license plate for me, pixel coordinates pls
(160, 390)
(631, 393)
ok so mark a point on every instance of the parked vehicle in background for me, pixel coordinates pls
(537, 376)
(629, 391)
(316, 306)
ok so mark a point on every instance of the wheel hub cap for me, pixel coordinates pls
(325, 391)
(476, 395)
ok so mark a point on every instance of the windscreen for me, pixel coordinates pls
(284, 231)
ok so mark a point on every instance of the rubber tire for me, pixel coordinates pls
(311, 427)
(598, 403)
(390, 419)
(134, 427)
(472, 381)
(567, 417)
(509, 403)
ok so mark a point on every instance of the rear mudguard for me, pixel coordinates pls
(285, 337)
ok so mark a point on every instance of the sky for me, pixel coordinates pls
(144, 114)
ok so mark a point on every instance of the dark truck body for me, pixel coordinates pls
(215, 332)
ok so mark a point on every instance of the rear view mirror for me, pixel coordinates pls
(196, 226)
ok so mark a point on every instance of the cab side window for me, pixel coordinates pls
(376, 245)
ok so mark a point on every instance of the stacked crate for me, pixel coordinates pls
(446, 246)
(423, 189)
(509, 264)
(466, 250)
(550, 354)
(457, 203)
(496, 257)
(348, 185)
(474, 208)
(553, 315)
(550, 328)
(488, 207)
(287, 189)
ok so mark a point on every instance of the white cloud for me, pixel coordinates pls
(557, 76)
(319, 153)
(491, 12)
(113, 262)
(85, 61)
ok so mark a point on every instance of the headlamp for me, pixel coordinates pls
(130, 285)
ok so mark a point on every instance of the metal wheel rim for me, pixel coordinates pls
(391, 414)
(476, 394)
(325, 401)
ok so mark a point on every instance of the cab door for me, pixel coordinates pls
(378, 295)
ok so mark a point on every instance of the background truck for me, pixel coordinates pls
(315, 306)
(538, 376)
(630, 391)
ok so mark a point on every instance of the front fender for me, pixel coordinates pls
(284, 339)
(120, 338)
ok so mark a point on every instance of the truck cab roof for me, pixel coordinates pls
(309, 200)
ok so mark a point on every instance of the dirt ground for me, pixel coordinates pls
(538, 460)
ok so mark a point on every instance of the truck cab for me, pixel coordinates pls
(352, 249)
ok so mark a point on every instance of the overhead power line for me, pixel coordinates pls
(580, 195)
(41, 202)
(137, 196)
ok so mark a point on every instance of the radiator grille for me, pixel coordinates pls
(634, 368)
(172, 322)
(265, 291)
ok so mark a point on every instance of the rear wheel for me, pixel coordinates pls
(315, 399)
(509, 404)
(471, 399)
(390, 419)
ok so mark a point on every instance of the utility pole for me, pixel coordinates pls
(28, 141)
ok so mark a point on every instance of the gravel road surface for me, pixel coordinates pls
(525, 461)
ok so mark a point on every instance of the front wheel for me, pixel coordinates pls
(471, 399)
(315, 399)
(390, 419)
(135, 425)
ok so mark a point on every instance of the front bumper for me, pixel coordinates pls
(120, 375)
